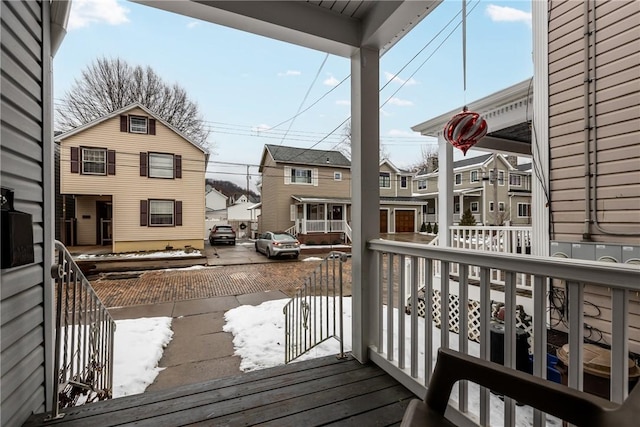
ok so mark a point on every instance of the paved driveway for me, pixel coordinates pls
(243, 252)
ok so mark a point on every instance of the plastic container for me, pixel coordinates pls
(596, 368)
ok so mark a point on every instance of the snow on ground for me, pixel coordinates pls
(162, 254)
(259, 340)
(138, 347)
(313, 258)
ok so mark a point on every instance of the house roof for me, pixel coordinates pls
(304, 156)
(122, 110)
(383, 199)
(524, 167)
(471, 161)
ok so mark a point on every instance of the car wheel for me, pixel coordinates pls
(256, 245)
(296, 256)
(268, 253)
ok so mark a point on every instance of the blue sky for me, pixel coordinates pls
(246, 84)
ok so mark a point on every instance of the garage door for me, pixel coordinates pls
(383, 221)
(405, 221)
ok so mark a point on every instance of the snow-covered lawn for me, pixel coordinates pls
(160, 254)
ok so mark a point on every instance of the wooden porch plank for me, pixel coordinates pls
(120, 411)
(344, 409)
(384, 416)
(216, 412)
(305, 402)
(132, 402)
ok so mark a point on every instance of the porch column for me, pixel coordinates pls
(326, 214)
(445, 191)
(461, 203)
(304, 218)
(365, 158)
(539, 202)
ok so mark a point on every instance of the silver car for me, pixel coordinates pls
(273, 244)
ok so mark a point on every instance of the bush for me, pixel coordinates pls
(429, 228)
(423, 228)
(467, 219)
(435, 228)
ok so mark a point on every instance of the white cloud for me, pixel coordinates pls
(385, 112)
(87, 12)
(331, 81)
(343, 102)
(396, 79)
(289, 73)
(193, 24)
(508, 14)
(400, 102)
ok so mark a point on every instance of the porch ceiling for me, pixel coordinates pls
(337, 27)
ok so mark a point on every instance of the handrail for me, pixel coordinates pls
(347, 231)
(403, 344)
(315, 313)
(84, 338)
(292, 230)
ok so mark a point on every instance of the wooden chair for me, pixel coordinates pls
(573, 406)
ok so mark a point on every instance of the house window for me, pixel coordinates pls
(385, 180)
(94, 161)
(431, 209)
(300, 176)
(422, 184)
(515, 180)
(137, 124)
(456, 208)
(403, 182)
(524, 210)
(161, 212)
(160, 165)
(474, 207)
(458, 178)
(337, 176)
(500, 177)
(474, 176)
(315, 212)
(501, 206)
(490, 206)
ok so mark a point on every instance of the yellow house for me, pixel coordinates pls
(136, 181)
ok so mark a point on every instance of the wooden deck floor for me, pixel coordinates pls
(324, 391)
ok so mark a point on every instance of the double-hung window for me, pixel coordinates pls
(161, 212)
(475, 206)
(403, 182)
(515, 180)
(458, 179)
(422, 184)
(524, 210)
(301, 176)
(137, 124)
(160, 165)
(94, 161)
(500, 177)
(337, 176)
(474, 176)
(385, 180)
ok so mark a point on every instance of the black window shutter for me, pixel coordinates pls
(144, 213)
(178, 208)
(124, 124)
(152, 126)
(143, 164)
(177, 166)
(111, 162)
(75, 162)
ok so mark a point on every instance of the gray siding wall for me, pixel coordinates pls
(23, 157)
(615, 154)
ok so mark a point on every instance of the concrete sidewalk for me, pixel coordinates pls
(199, 350)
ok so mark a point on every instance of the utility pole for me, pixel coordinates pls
(247, 182)
(496, 205)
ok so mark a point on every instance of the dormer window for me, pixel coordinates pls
(137, 124)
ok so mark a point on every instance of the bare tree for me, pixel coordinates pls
(428, 160)
(345, 145)
(107, 85)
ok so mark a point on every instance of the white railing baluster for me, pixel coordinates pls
(463, 335)
(509, 341)
(444, 305)
(414, 318)
(539, 338)
(619, 345)
(428, 320)
(401, 304)
(485, 339)
(390, 331)
(576, 334)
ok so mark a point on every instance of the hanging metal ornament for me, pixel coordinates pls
(465, 129)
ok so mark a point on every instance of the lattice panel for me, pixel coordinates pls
(523, 320)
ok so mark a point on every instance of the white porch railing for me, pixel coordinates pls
(404, 345)
(323, 226)
(293, 230)
(347, 232)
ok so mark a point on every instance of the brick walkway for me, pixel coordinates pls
(160, 286)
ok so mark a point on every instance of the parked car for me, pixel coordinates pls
(222, 233)
(273, 244)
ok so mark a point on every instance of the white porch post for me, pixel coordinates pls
(304, 218)
(539, 209)
(326, 215)
(365, 157)
(445, 191)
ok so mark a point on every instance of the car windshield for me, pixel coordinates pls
(283, 236)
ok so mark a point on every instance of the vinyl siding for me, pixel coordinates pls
(617, 91)
(127, 187)
(21, 155)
